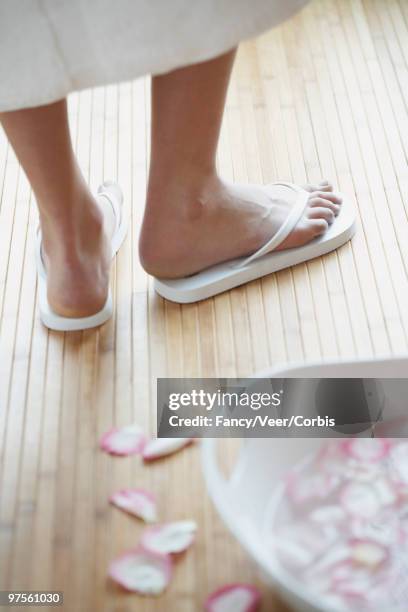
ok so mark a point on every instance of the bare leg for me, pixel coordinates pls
(75, 229)
(193, 219)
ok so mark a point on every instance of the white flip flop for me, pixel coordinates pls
(113, 193)
(266, 260)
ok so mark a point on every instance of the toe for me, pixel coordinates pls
(320, 202)
(325, 186)
(311, 188)
(318, 226)
(336, 198)
(322, 186)
(323, 212)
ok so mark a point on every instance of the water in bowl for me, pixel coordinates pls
(338, 524)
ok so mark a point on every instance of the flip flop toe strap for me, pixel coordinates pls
(285, 229)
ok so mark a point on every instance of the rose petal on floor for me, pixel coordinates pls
(142, 571)
(234, 598)
(137, 502)
(169, 538)
(129, 440)
(160, 447)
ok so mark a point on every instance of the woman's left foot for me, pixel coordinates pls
(216, 222)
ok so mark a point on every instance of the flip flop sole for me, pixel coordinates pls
(65, 324)
(226, 276)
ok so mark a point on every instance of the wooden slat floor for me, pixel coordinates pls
(325, 95)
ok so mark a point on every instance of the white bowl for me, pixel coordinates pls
(243, 497)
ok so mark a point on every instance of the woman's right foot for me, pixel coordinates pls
(220, 222)
(78, 268)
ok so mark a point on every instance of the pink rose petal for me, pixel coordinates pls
(129, 440)
(317, 486)
(387, 494)
(368, 553)
(352, 591)
(352, 583)
(363, 471)
(399, 463)
(329, 458)
(366, 449)
(333, 556)
(383, 529)
(331, 515)
(360, 500)
(138, 502)
(301, 544)
(234, 598)
(142, 571)
(170, 537)
(160, 447)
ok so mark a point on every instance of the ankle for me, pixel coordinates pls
(183, 193)
(174, 217)
(75, 233)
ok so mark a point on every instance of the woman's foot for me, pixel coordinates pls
(78, 263)
(218, 222)
(76, 229)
